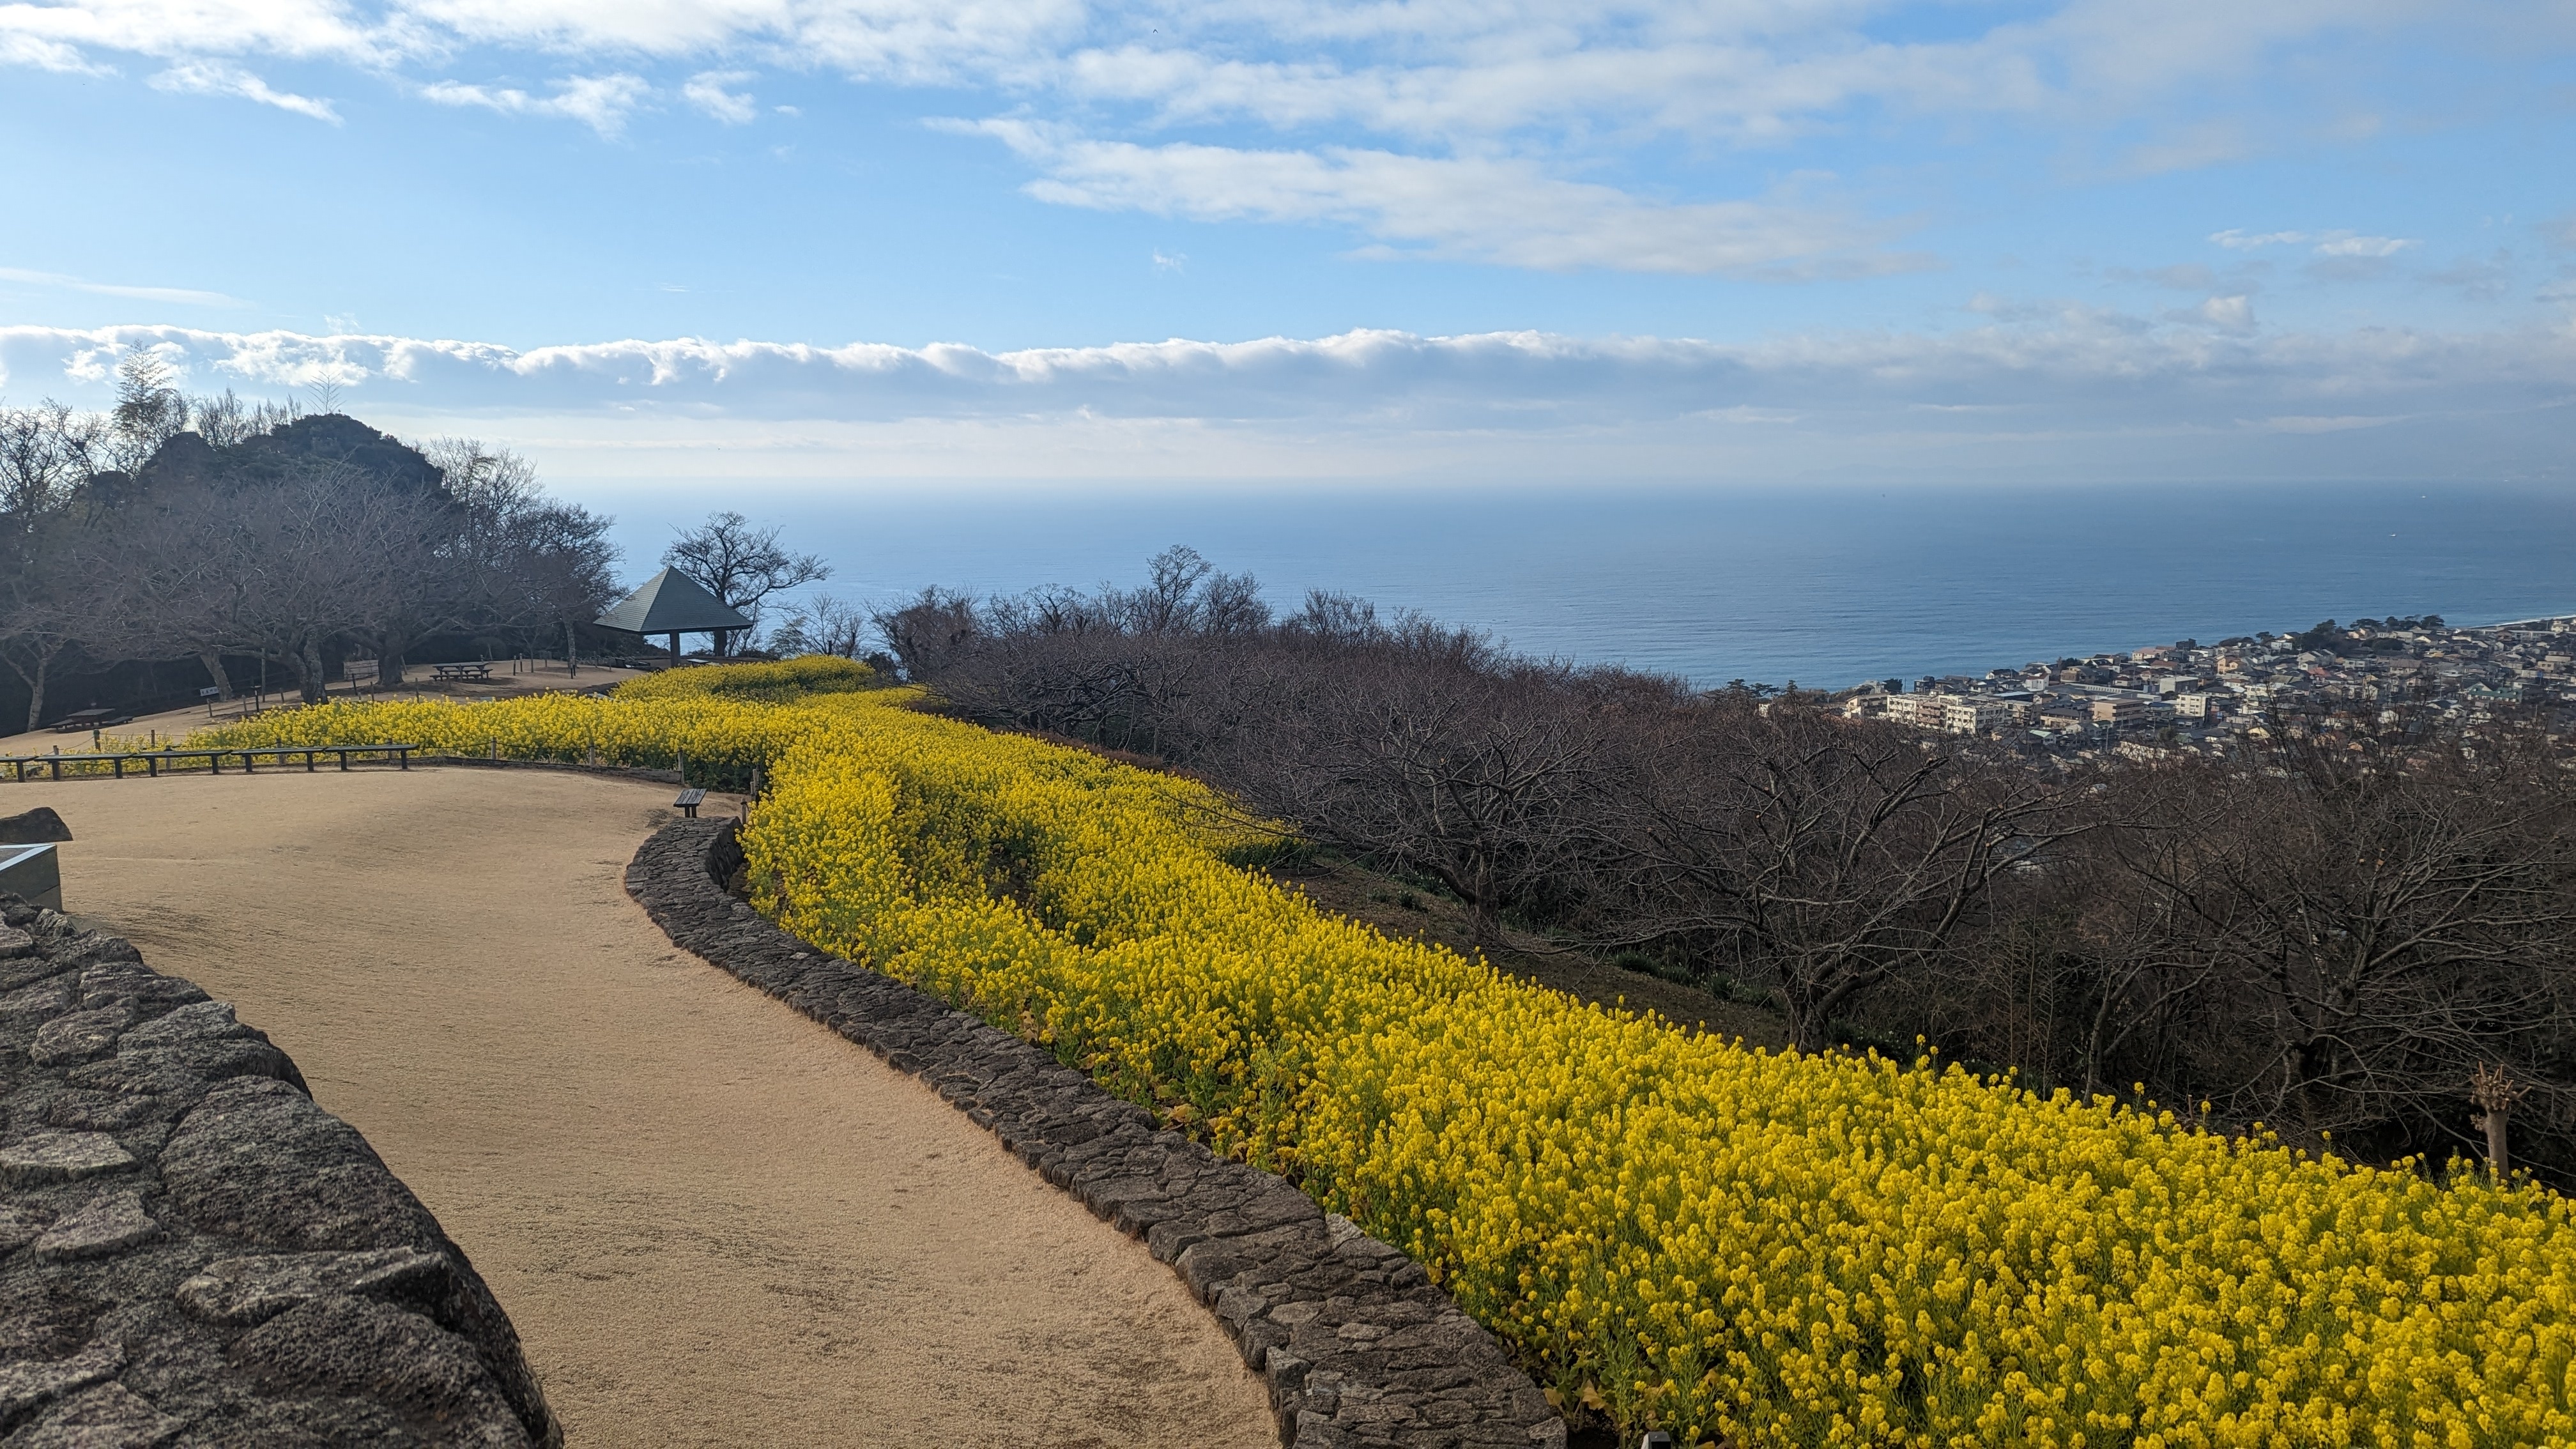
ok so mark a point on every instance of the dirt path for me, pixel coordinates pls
(714, 1222)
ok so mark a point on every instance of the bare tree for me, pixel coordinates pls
(929, 633)
(46, 453)
(286, 569)
(741, 564)
(518, 562)
(824, 624)
(2378, 935)
(225, 421)
(1817, 857)
(45, 613)
(1479, 781)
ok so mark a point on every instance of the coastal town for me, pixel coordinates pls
(2362, 686)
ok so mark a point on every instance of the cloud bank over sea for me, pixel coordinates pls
(2060, 391)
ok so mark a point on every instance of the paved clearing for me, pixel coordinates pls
(714, 1222)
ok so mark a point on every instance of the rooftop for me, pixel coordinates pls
(671, 603)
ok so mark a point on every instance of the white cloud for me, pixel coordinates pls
(1530, 98)
(2236, 240)
(184, 296)
(39, 53)
(601, 102)
(2319, 424)
(222, 78)
(921, 41)
(1741, 67)
(1753, 71)
(2227, 314)
(1506, 211)
(2088, 393)
(2343, 244)
(210, 29)
(1752, 88)
(706, 91)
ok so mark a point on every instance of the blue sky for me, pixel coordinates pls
(810, 243)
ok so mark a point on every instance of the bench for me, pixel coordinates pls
(689, 802)
(457, 673)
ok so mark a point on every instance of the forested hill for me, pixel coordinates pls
(175, 542)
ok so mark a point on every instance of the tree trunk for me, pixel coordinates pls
(572, 652)
(213, 659)
(36, 691)
(308, 670)
(389, 659)
(1806, 1024)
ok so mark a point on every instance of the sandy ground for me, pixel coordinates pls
(714, 1222)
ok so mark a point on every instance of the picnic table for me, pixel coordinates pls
(454, 673)
(89, 719)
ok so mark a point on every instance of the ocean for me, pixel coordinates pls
(1824, 587)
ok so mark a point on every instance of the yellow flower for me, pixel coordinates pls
(1685, 1234)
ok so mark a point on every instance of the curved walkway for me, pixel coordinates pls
(714, 1221)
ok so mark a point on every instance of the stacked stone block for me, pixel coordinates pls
(193, 1254)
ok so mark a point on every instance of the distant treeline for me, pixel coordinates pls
(181, 540)
(2328, 946)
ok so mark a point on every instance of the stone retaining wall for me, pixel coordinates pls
(1356, 1345)
(194, 1254)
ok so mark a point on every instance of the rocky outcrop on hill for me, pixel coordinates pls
(1356, 1345)
(194, 1254)
(324, 440)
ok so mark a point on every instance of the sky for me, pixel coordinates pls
(871, 244)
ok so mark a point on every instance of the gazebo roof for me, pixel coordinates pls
(671, 603)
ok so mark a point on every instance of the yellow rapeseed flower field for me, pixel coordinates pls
(1726, 1243)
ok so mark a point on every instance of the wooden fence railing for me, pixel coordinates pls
(155, 762)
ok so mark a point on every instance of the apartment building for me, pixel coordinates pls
(1971, 715)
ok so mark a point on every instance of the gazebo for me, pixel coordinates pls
(673, 603)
